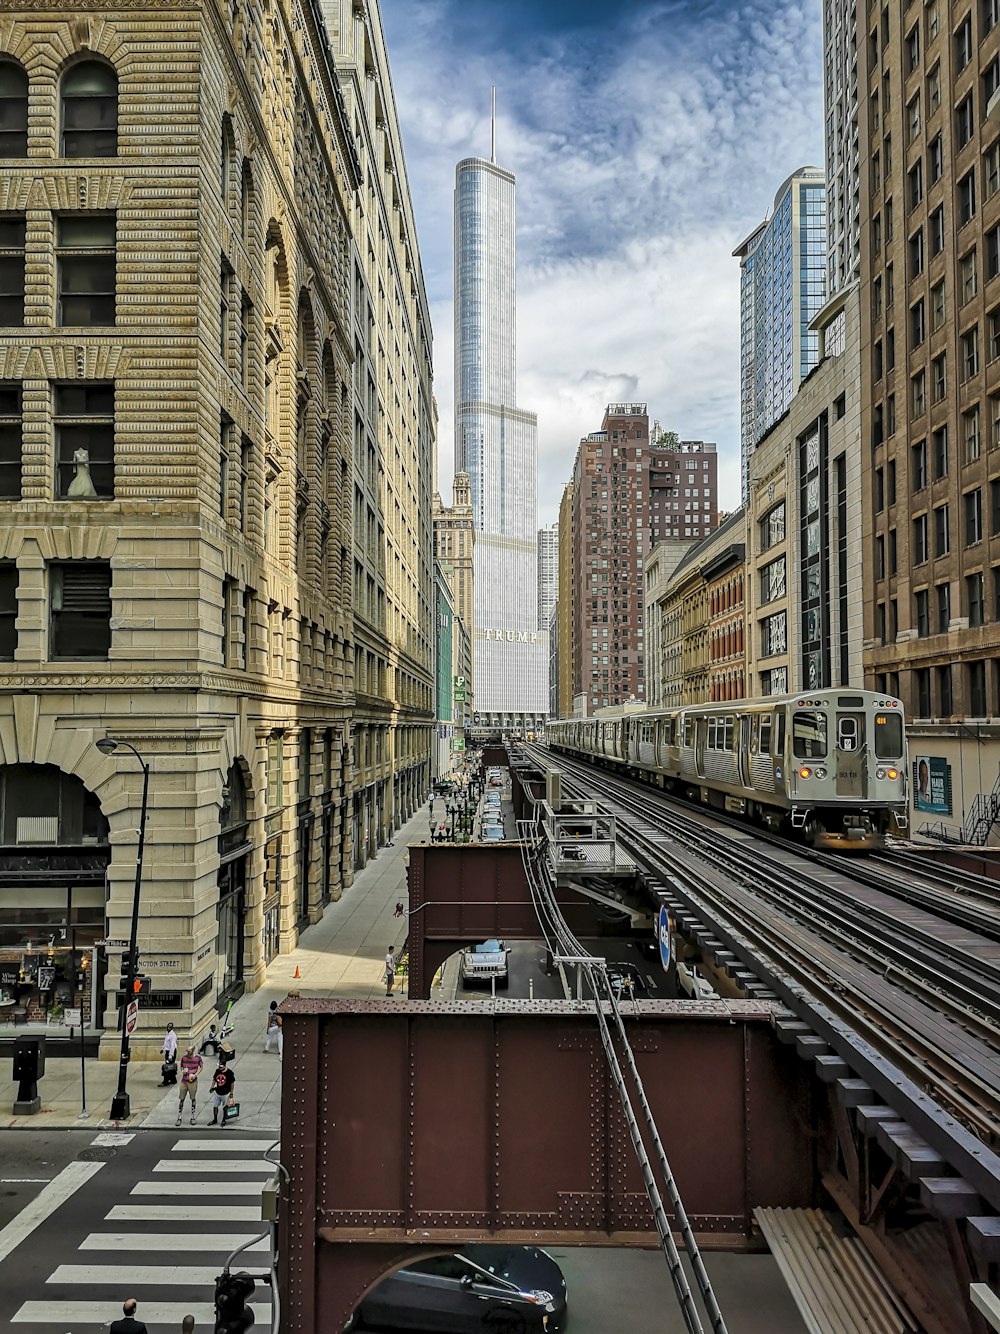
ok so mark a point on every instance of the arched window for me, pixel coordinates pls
(39, 804)
(90, 110)
(246, 204)
(226, 160)
(13, 109)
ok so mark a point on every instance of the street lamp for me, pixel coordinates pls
(120, 1106)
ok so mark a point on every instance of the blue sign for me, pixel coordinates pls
(663, 934)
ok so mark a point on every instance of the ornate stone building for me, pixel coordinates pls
(215, 443)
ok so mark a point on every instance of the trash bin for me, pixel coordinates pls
(29, 1066)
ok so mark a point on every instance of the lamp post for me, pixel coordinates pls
(120, 1105)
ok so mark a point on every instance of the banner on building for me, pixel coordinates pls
(932, 784)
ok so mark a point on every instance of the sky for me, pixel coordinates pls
(648, 138)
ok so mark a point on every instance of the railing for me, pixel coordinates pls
(983, 816)
(942, 832)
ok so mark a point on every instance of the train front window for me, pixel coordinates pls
(888, 736)
(809, 736)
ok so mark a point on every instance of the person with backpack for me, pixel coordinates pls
(223, 1083)
(273, 1027)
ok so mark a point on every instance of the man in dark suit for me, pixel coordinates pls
(128, 1323)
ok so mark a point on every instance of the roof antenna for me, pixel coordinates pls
(493, 126)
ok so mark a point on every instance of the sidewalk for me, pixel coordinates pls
(341, 955)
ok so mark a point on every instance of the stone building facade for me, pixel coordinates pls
(188, 416)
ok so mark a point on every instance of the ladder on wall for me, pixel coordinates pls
(982, 816)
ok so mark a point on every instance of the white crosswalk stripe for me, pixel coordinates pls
(206, 1200)
(164, 1187)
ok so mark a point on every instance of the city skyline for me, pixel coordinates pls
(626, 207)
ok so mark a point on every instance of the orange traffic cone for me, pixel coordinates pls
(297, 973)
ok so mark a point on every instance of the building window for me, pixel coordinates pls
(990, 16)
(12, 235)
(890, 410)
(939, 373)
(971, 434)
(920, 552)
(942, 535)
(935, 159)
(890, 290)
(913, 119)
(974, 598)
(877, 234)
(80, 603)
(973, 505)
(963, 43)
(13, 109)
(11, 440)
(937, 305)
(967, 197)
(890, 349)
(939, 441)
(944, 691)
(935, 225)
(86, 259)
(918, 322)
(943, 607)
(90, 110)
(964, 121)
(918, 465)
(246, 315)
(977, 687)
(8, 610)
(917, 253)
(877, 361)
(918, 387)
(877, 298)
(922, 614)
(915, 181)
(933, 90)
(970, 353)
(923, 681)
(995, 507)
(772, 527)
(888, 202)
(913, 48)
(85, 440)
(991, 80)
(968, 276)
(991, 169)
(994, 421)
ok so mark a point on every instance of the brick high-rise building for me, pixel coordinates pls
(626, 489)
(930, 368)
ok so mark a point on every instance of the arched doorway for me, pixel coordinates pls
(54, 855)
(234, 860)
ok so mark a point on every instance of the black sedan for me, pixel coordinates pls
(514, 1289)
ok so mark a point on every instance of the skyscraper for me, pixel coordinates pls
(782, 286)
(548, 573)
(843, 160)
(496, 445)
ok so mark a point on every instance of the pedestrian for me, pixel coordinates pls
(169, 1047)
(187, 1325)
(128, 1323)
(390, 970)
(273, 1027)
(211, 1040)
(191, 1067)
(223, 1083)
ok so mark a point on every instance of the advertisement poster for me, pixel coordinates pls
(931, 785)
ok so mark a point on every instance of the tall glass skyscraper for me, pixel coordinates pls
(496, 443)
(782, 286)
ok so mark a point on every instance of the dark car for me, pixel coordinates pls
(461, 1293)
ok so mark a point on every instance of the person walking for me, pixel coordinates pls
(272, 1027)
(128, 1323)
(187, 1325)
(390, 970)
(223, 1083)
(191, 1067)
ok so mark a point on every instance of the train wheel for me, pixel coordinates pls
(812, 831)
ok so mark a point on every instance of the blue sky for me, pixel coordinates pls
(647, 137)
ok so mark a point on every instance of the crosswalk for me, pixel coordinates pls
(164, 1242)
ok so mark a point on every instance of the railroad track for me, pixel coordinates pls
(930, 1004)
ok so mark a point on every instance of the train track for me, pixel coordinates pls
(930, 1004)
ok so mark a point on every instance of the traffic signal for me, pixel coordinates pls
(232, 1314)
(140, 987)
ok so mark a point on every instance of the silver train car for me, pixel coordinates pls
(828, 766)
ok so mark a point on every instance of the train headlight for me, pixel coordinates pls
(820, 773)
(893, 773)
(879, 773)
(805, 773)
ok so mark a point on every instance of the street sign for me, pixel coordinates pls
(72, 1018)
(131, 1017)
(663, 934)
(113, 944)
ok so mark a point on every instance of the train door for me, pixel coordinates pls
(700, 733)
(779, 742)
(746, 741)
(852, 744)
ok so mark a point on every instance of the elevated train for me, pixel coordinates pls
(828, 766)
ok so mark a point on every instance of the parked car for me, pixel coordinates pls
(691, 983)
(481, 963)
(494, 833)
(468, 1292)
